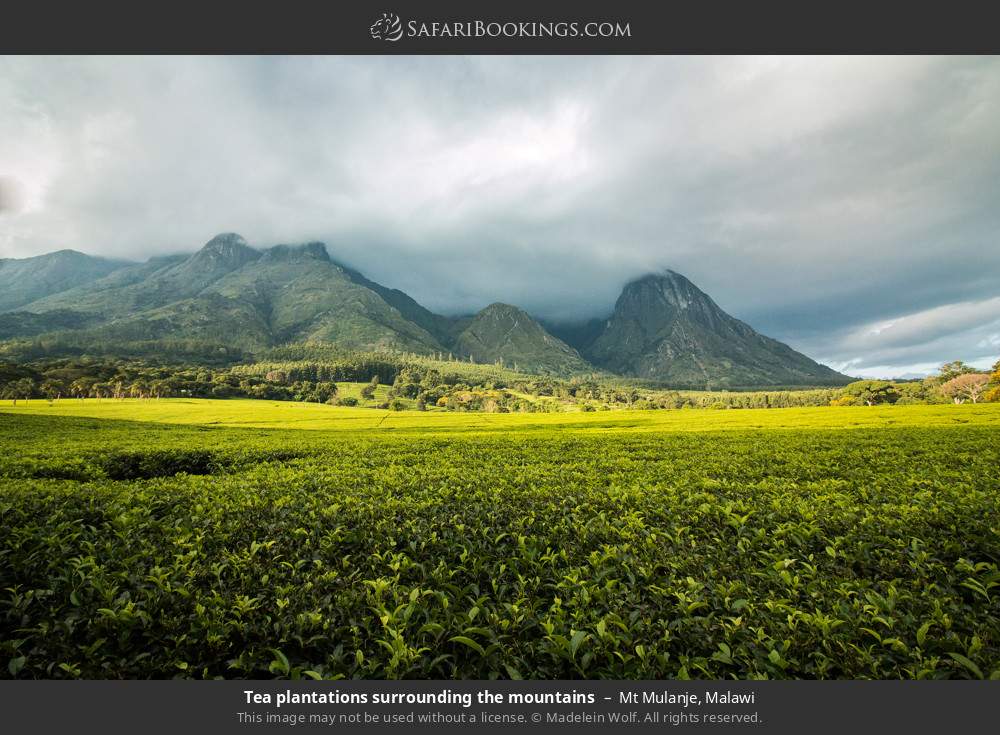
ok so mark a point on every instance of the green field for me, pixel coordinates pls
(199, 538)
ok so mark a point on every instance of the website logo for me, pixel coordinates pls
(387, 28)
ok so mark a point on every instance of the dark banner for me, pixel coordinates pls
(452, 27)
(475, 706)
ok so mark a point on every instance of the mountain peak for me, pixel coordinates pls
(498, 309)
(667, 275)
(664, 291)
(59, 256)
(308, 251)
(661, 280)
(223, 253)
(67, 253)
(504, 332)
(664, 274)
(224, 240)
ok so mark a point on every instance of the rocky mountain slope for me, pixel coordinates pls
(664, 328)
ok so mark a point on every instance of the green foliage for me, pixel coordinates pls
(872, 392)
(993, 390)
(26, 324)
(333, 375)
(136, 346)
(116, 379)
(575, 547)
(953, 369)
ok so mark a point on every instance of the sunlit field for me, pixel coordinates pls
(201, 538)
(314, 416)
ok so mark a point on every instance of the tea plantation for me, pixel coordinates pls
(158, 539)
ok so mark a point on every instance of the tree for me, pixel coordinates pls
(993, 394)
(966, 387)
(953, 369)
(872, 392)
(9, 393)
(276, 376)
(368, 392)
(52, 390)
(24, 388)
(325, 392)
(81, 387)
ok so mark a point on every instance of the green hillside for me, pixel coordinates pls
(505, 334)
(29, 279)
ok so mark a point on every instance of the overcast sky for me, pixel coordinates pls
(848, 206)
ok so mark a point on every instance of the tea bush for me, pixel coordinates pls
(807, 553)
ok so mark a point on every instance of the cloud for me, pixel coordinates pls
(12, 196)
(815, 198)
(989, 342)
(919, 342)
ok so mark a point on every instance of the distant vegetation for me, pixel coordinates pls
(406, 382)
(58, 345)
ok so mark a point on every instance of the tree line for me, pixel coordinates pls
(955, 382)
(423, 384)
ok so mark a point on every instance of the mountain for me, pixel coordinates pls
(231, 295)
(305, 296)
(28, 279)
(154, 284)
(666, 329)
(501, 331)
(440, 326)
(90, 297)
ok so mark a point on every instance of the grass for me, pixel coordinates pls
(353, 390)
(200, 538)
